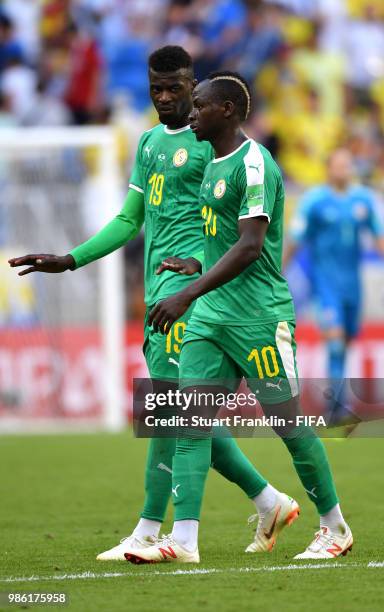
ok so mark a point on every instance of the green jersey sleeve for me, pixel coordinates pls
(125, 226)
(136, 181)
(259, 182)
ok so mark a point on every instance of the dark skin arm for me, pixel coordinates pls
(244, 252)
(53, 264)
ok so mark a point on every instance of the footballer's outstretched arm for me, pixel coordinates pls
(124, 227)
(244, 252)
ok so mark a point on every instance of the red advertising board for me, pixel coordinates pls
(58, 373)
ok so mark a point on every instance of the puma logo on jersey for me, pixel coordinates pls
(255, 167)
(312, 492)
(148, 149)
(171, 360)
(174, 491)
(275, 385)
(164, 467)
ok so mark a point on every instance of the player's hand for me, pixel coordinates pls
(187, 266)
(166, 312)
(43, 263)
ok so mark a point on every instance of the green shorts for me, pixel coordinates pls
(263, 354)
(162, 353)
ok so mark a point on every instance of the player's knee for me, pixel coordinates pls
(336, 346)
(336, 333)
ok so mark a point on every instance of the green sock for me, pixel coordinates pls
(312, 466)
(190, 468)
(158, 478)
(229, 460)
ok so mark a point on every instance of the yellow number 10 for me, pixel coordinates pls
(156, 195)
(268, 354)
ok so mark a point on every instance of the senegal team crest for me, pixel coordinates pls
(180, 157)
(220, 188)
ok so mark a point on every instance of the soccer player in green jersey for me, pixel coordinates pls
(243, 322)
(164, 188)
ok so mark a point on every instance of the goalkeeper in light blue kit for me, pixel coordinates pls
(330, 220)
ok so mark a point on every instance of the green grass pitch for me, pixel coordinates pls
(66, 498)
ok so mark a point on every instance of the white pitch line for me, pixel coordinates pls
(192, 572)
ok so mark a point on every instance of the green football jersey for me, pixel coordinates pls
(246, 183)
(168, 170)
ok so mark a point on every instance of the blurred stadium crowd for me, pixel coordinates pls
(316, 69)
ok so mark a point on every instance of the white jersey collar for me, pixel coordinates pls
(219, 159)
(168, 130)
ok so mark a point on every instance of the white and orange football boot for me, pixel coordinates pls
(165, 550)
(328, 544)
(285, 511)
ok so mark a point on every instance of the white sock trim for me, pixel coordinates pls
(147, 527)
(186, 534)
(265, 500)
(333, 519)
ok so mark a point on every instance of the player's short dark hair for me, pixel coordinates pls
(170, 59)
(232, 86)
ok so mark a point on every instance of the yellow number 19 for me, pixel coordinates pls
(156, 195)
(175, 337)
